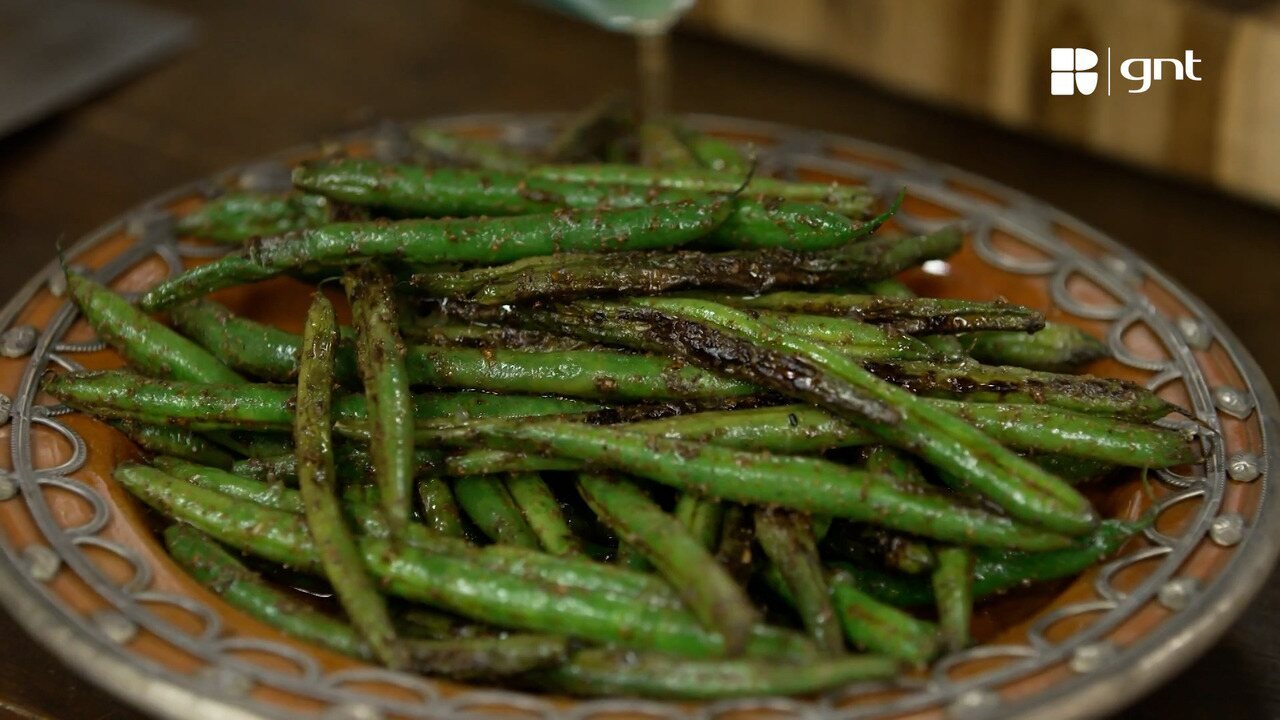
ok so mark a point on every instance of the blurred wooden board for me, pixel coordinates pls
(991, 58)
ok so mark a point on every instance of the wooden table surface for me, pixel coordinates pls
(264, 76)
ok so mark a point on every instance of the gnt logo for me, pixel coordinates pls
(1071, 70)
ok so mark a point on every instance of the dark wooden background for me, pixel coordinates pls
(263, 76)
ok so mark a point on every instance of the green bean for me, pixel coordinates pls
(1077, 470)
(881, 628)
(857, 339)
(821, 526)
(269, 494)
(1020, 487)
(452, 334)
(339, 555)
(730, 341)
(225, 575)
(459, 658)
(947, 345)
(145, 344)
(1061, 440)
(953, 588)
(701, 517)
(542, 514)
(736, 549)
(237, 216)
(217, 569)
(255, 444)
(786, 429)
(353, 463)
(995, 572)
(430, 192)
(865, 544)
(714, 153)
(440, 508)
(492, 462)
(174, 441)
(567, 573)
(507, 655)
(489, 505)
(117, 394)
(260, 350)
(1047, 429)
(587, 374)
(791, 429)
(427, 242)
(380, 358)
(787, 538)
(661, 147)
(762, 223)
(272, 354)
(705, 587)
(614, 672)
(916, 316)
(449, 582)
(851, 200)
(903, 552)
(421, 623)
(886, 460)
(647, 273)
(1056, 348)
(1107, 397)
(807, 484)
(630, 557)
(756, 221)
(467, 151)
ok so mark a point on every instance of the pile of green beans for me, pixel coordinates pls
(601, 425)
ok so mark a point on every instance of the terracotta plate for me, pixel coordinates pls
(82, 570)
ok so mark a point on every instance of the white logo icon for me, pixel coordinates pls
(1070, 70)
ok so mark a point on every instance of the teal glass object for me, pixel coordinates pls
(641, 17)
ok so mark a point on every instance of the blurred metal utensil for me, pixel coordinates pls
(54, 54)
(640, 17)
(649, 21)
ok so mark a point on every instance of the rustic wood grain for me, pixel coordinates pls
(264, 76)
(991, 58)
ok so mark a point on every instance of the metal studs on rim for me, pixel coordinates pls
(57, 282)
(1233, 401)
(151, 225)
(1243, 467)
(225, 680)
(1227, 530)
(18, 341)
(353, 711)
(1091, 657)
(1178, 592)
(6, 408)
(118, 628)
(1196, 332)
(270, 176)
(42, 562)
(972, 703)
(1127, 271)
(8, 488)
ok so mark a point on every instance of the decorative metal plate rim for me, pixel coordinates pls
(1138, 668)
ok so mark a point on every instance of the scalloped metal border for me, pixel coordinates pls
(1138, 668)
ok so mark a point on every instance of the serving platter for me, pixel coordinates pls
(81, 568)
